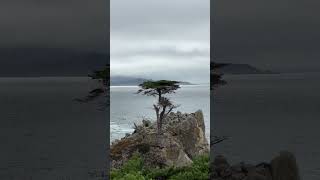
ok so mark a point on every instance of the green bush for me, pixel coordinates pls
(134, 170)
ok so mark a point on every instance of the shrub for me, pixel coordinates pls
(134, 170)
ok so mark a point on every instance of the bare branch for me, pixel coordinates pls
(171, 108)
(219, 140)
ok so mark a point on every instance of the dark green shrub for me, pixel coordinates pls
(134, 170)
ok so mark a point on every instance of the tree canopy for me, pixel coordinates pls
(216, 78)
(159, 88)
(101, 75)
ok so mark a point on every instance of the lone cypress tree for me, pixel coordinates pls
(216, 77)
(158, 89)
(102, 77)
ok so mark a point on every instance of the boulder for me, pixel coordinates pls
(182, 139)
(284, 167)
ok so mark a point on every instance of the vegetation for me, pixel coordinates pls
(102, 77)
(135, 170)
(216, 78)
(164, 105)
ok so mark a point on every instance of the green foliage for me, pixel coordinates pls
(216, 78)
(131, 170)
(134, 170)
(199, 170)
(157, 88)
(102, 77)
(100, 74)
(160, 88)
(158, 84)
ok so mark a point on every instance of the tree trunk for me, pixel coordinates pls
(161, 117)
(158, 117)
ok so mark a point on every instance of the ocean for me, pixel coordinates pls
(45, 134)
(265, 114)
(128, 108)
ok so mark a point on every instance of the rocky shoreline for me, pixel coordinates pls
(183, 139)
(281, 167)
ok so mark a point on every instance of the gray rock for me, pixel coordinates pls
(183, 139)
(237, 176)
(226, 172)
(146, 123)
(237, 168)
(248, 168)
(220, 160)
(284, 167)
(255, 176)
(221, 166)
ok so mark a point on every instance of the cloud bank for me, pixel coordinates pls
(161, 39)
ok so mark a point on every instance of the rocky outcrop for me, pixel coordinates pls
(282, 167)
(183, 138)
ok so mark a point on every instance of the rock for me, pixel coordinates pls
(226, 172)
(237, 176)
(248, 168)
(284, 167)
(240, 171)
(220, 163)
(238, 168)
(183, 138)
(146, 123)
(255, 176)
(264, 169)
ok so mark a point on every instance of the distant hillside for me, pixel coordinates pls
(133, 81)
(242, 69)
(125, 81)
(186, 83)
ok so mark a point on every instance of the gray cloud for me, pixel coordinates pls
(53, 38)
(282, 35)
(165, 51)
(68, 23)
(171, 38)
(161, 39)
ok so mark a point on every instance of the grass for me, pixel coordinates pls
(135, 170)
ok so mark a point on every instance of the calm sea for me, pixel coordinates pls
(128, 108)
(264, 114)
(44, 134)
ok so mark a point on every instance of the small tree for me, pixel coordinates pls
(102, 77)
(216, 77)
(216, 80)
(158, 89)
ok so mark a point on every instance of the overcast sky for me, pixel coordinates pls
(281, 35)
(53, 37)
(58, 23)
(167, 39)
(170, 38)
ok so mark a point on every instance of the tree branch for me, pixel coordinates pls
(219, 140)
